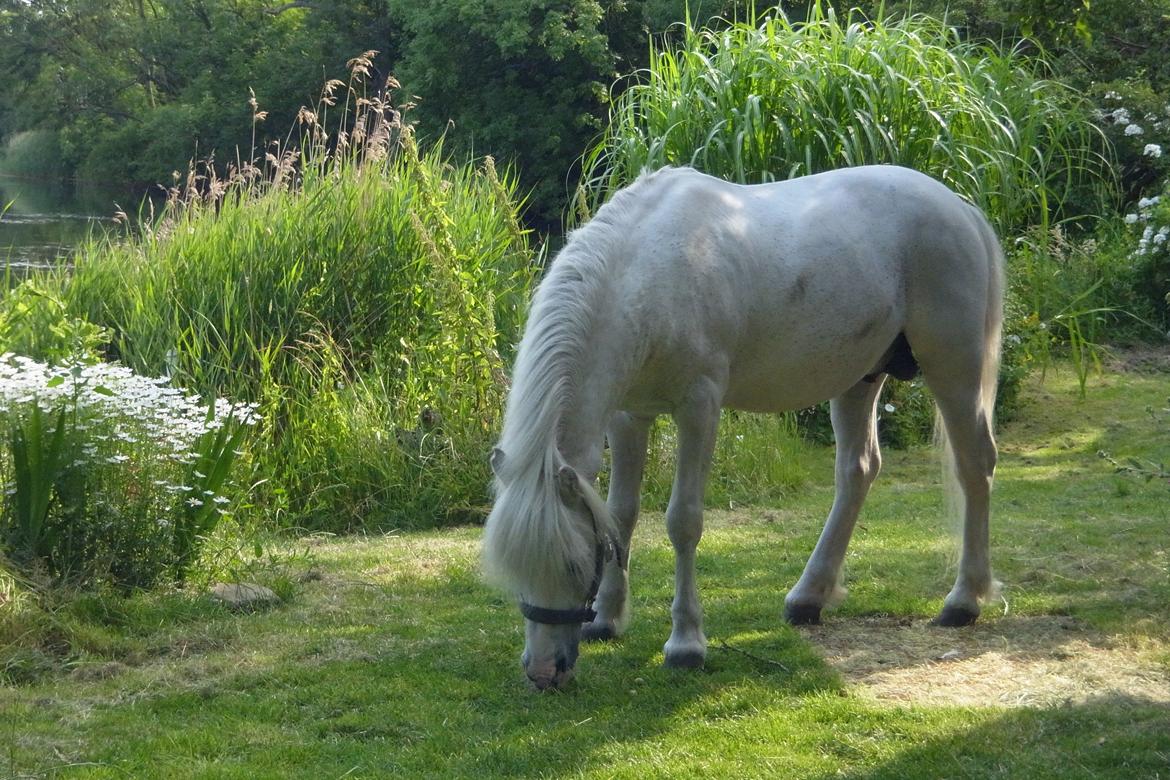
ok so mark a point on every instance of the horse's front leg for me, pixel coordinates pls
(854, 416)
(697, 421)
(628, 437)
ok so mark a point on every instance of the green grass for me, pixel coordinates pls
(398, 661)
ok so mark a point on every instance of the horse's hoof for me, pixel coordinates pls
(598, 632)
(802, 614)
(684, 655)
(955, 617)
(685, 659)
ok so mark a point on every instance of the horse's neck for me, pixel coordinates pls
(596, 373)
(597, 389)
(581, 432)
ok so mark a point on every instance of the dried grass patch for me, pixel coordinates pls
(1012, 661)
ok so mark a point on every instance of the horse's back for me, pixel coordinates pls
(789, 292)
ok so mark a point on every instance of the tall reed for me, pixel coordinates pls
(756, 102)
(366, 293)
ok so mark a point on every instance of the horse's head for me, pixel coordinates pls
(559, 582)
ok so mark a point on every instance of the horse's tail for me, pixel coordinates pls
(989, 381)
(993, 321)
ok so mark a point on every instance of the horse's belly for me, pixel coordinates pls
(768, 395)
(778, 379)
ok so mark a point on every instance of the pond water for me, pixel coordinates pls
(44, 220)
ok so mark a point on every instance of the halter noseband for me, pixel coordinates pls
(606, 548)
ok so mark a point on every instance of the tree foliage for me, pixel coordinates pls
(131, 90)
(135, 89)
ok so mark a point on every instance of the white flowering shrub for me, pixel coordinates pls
(110, 476)
(1150, 223)
(1137, 121)
(1155, 224)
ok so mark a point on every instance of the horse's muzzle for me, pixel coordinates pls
(555, 672)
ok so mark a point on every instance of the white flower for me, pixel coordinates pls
(1160, 238)
(194, 502)
(1152, 150)
(1133, 130)
(1131, 218)
(1111, 95)
(1120, 116)
(890, 408)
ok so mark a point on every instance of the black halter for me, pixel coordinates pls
(606, 549)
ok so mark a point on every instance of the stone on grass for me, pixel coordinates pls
(243, 596)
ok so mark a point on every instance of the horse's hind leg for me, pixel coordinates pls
(854, 416)
(628, 436)
(968, 428)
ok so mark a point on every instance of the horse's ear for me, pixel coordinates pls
(497, 460)
(568, 484)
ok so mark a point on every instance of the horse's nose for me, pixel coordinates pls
(552, 673)
(543, 676)
(543, 681)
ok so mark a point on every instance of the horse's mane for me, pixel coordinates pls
(531, 542)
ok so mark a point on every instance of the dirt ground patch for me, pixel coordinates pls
(1150, 359)
(1012, 661)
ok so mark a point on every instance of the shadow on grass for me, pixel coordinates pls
(1106, 737)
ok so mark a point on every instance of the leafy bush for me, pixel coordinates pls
(1072, 294)
(35, 323)
(110, 476)
(759, 459)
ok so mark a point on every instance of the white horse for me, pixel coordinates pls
(686, 294)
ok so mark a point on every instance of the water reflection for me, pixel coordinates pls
(44, 220)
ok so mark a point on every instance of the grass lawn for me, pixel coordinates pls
(394, 660)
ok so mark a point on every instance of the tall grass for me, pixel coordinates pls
(365, 292)
(756, 102)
